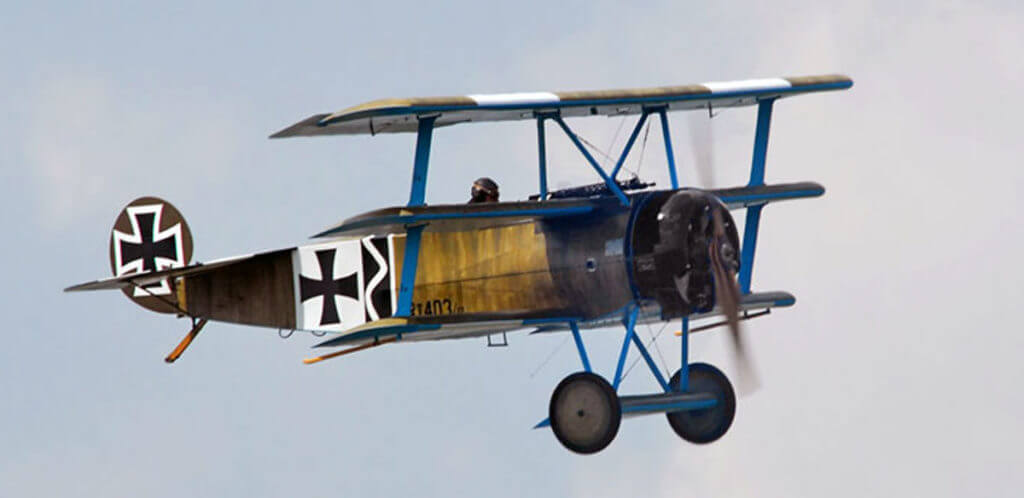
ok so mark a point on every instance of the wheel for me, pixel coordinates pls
(707, 425)
(584, 413)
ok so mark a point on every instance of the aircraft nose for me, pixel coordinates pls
(672, 242)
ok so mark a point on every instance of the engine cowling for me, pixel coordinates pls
(671, 240)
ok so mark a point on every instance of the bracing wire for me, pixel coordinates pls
(638, 358)
(643, 148)
(657, 348)
(605, 154)
(593, 147)
(615, 137)
(550, 356)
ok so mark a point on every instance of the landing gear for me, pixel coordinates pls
(709, 424)
(585, 410)
(585, 413)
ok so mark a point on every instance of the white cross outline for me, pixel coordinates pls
(135, 266)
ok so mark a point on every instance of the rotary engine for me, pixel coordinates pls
(672, 242)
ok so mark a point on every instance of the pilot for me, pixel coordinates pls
(484, 190)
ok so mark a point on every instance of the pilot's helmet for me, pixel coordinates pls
(484, 190)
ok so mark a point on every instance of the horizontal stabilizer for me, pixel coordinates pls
(741, 197)
(402, 115)
(152, 277)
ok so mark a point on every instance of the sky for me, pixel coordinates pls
(894, 374)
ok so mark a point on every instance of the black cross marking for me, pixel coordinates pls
(328, 287)
(148, 249)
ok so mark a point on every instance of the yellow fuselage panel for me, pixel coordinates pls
(497, 269)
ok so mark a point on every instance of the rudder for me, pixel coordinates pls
(150, 234)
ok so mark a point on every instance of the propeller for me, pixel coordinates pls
(721, 252)
(727, 294)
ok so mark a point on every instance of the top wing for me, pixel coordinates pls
(401, 115)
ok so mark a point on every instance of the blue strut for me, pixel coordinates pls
(579, 345)
(409, 264)
(764, 119)
(668, 148)
(629, 144)
(630, 324)
(612, 186)
(684, 360)
(424, 132)
(542, 160)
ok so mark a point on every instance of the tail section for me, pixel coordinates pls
(329, 286)
(149, 235)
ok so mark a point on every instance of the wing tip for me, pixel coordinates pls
(301, 128)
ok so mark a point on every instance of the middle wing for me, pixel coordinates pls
(457, 216)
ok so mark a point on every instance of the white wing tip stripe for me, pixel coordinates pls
(748, 85)
(525, 98)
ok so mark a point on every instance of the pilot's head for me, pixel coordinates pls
(484, 190)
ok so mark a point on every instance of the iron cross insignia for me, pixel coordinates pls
(147, 248)
(327, 287)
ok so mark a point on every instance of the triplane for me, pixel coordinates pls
(583, 258)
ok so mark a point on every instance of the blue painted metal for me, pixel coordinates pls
(612, 186)
(684, 358)
(667, 137)
(630, 325)
(749, 245)
(784, 302)
(764, 121)
(424, 133)
(680, 406)
(409, 264)
(659, 403)
(579, 344)
(629, 144)
(545, 212)
(542, 158)
(760, 300)
(559, 320)
(639, 201)
(650, 362)
(779, 196)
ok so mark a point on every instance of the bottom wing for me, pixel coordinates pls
(425, 329)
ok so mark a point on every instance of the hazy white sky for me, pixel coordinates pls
(895, 374)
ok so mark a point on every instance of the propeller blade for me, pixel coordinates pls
(728, 297)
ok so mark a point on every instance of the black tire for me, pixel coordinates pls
(584, 413)
(708, 425)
